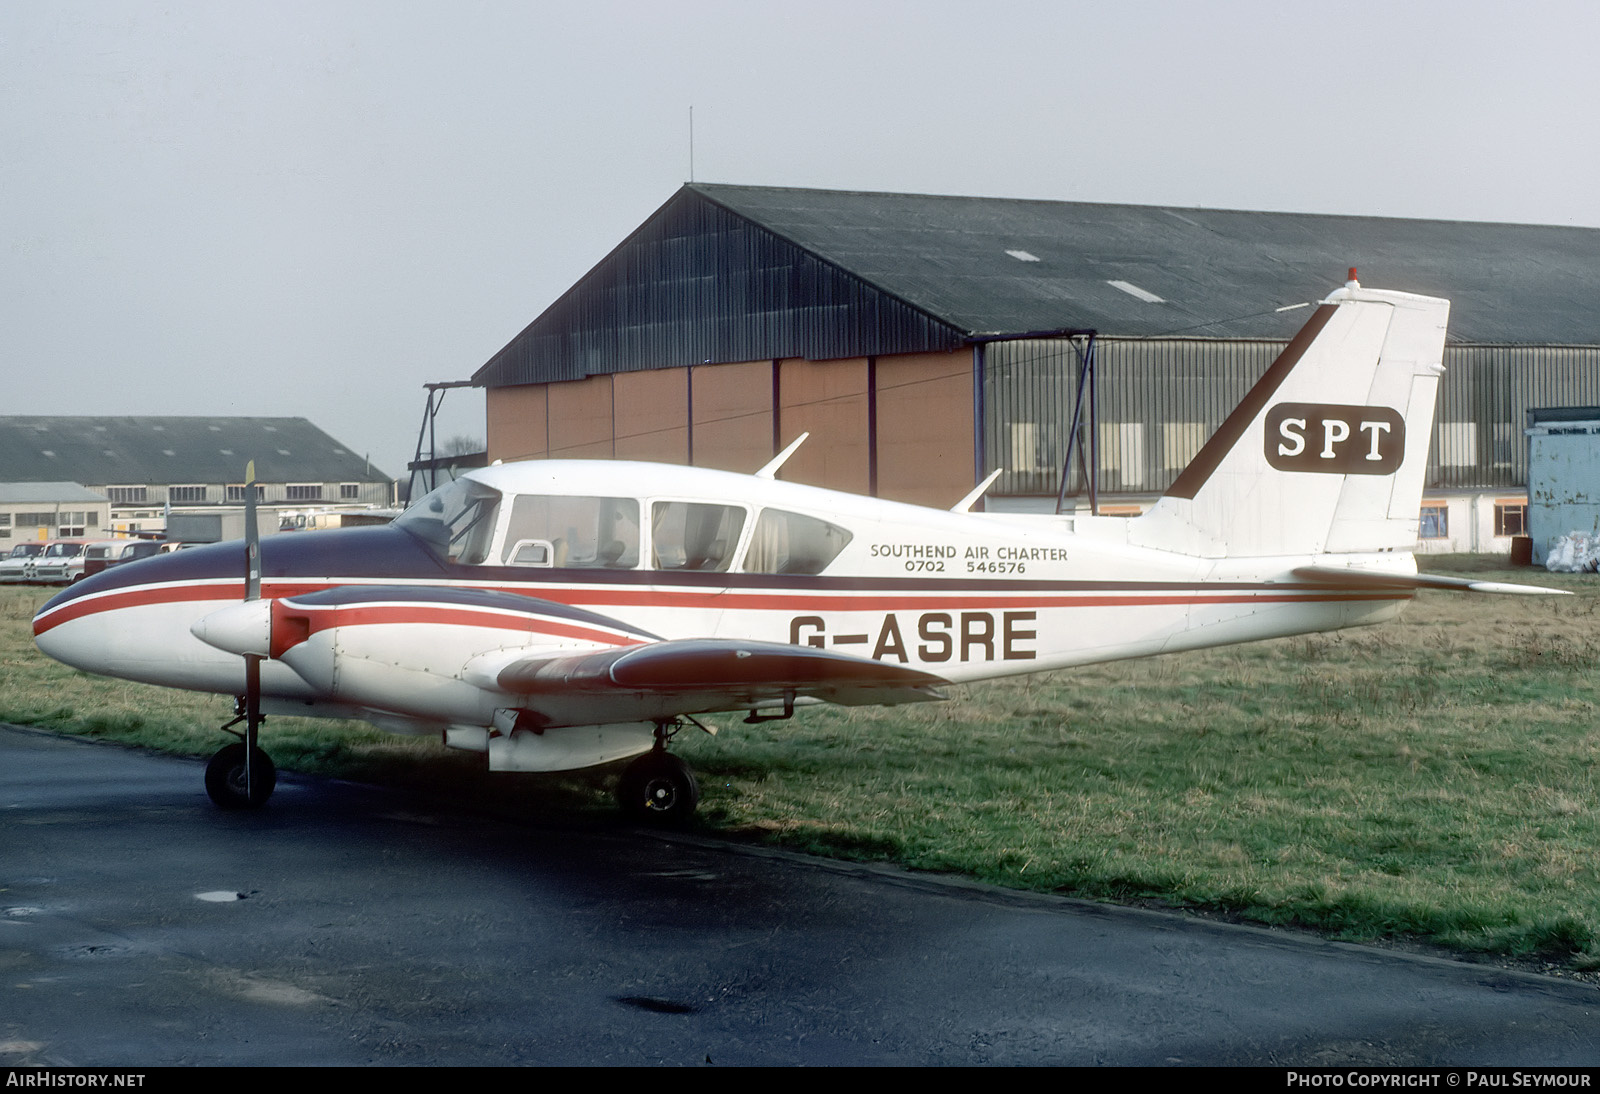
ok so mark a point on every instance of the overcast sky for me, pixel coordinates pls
(312, 209)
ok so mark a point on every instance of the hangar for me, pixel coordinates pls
(145, 466)
(926, 340)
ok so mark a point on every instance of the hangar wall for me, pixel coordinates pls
(900, 427)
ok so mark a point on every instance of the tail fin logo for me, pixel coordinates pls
(1332, 439)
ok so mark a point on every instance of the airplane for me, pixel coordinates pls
(562, 614)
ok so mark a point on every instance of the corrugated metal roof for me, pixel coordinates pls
(952, 256)
(698, 283)
(30, 493)
(167, 450)
(720, 273)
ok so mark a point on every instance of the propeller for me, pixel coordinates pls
(252, 662)
(241, 776)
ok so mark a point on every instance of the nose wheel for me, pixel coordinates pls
(233, 785)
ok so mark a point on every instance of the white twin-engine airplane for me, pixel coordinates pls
(560, 614)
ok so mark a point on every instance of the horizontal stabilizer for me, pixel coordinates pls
(1349, 578)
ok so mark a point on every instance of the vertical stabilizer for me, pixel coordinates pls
(1328, 451)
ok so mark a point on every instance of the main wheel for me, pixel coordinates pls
(658, 788)
(225, 780)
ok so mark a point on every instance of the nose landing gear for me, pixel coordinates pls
(241, 776)
(231, 786)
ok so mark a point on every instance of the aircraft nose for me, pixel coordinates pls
(62, 644)
(239, 628)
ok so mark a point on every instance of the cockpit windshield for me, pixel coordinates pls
(457, 520)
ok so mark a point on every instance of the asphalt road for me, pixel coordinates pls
(347, 925)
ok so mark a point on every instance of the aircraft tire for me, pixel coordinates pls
(225, 779)
(658, 788)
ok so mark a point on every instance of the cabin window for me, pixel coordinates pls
(581, 533)
(686, 535)
(791, 543)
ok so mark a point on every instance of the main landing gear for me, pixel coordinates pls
(659, 788)
(241, 776)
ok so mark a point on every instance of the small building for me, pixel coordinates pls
(146, 467)
(50, 510)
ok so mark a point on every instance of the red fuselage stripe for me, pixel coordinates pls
(722, 599)
(366, 615)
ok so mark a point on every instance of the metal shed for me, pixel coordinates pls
(1563, 474)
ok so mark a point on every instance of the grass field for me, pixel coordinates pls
(1432, 779)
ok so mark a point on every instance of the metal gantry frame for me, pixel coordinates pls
(1082, 341)
(429, 468)
(1089, 464)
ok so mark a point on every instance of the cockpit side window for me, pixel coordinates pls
(583, 533)
(686, 535)
(457, 520)
(793, 543)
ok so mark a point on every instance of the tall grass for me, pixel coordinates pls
(1433, 778)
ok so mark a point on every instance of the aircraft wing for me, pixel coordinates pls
(735, 673)
(1348, 577)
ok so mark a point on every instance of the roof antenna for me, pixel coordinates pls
(691, 142)
(770, 470)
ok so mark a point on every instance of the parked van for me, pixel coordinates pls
(61, 562)
(14, 566)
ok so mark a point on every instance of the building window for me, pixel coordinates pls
(182, 494)
(236, 493)
(72, 524)
(311, 492)
(5, 525)
(1435, 520)
(349, 491)
(1511, 518)
(127, 495)
(35, 520)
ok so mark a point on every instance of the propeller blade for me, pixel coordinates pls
(252, 662)
(252, 536)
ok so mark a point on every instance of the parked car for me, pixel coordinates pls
(14, 566)
(103, 555)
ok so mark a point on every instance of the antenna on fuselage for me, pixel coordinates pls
(771, 469)
(965, 504)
